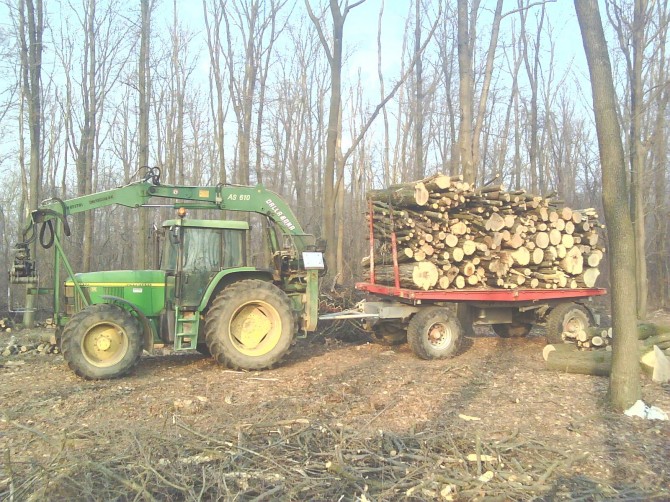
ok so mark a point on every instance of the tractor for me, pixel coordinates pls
(204, 296)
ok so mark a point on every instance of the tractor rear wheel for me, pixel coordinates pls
(434, 333)
(102, 341)
(250, 325)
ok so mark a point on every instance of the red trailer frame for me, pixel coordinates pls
(480, 295)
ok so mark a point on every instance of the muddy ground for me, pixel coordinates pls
(340, 419)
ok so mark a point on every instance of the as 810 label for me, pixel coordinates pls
(234, 196)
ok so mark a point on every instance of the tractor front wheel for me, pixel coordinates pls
(102, 341)
(250, 325)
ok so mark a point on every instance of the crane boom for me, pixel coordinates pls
(254, 199)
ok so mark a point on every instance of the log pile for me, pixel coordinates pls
(14, 349)
(591, 338)
(450, 235)
(653, 349)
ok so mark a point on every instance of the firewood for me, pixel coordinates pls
(443, 221)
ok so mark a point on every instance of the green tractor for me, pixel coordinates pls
(205, 295)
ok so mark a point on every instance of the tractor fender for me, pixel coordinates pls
(226, 277)
(147, 331)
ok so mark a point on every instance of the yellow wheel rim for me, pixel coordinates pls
(255, 328)
(104, 344)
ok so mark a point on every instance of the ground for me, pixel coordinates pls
(340, 419)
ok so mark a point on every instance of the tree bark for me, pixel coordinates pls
(31, 19)
(144, 91)
(466, 88)
(624, 387)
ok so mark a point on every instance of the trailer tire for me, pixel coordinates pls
(434, 333)
(250, 325)
(102, 341)
(389, 333)
(513, 330)
(564, 317)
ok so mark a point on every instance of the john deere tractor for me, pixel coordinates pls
(205, 295)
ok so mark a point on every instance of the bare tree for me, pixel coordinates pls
(624, 379)
(144, 92)
(633, 41)
(419, 168)
(333, 169)
(217, 100)
(466, 83)
(31, 27)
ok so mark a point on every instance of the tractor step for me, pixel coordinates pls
(186, 330)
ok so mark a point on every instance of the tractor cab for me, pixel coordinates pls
(195, 251)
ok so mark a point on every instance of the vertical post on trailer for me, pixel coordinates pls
(372, 241)
(394, 250)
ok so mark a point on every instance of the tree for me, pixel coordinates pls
(466, 40)
(144, 91)
(332, 166)
(624, 379)
(31, 27)
(633, 40)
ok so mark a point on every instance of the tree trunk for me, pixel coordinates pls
(466, 90)
(419, 169)
(31, 20)
(624, 380)
(637, 156)
(144, 91)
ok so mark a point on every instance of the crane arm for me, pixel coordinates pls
(256, 199)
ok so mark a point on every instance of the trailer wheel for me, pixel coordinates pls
(566, 317)
(250, 325)
(434, 333)
(513, 330)
(389, 333)
(102, 341)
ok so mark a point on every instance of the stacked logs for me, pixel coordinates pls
(451, 235)
(653, 348)
(590, 338)
(13, 349)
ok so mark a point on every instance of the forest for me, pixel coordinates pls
(321, 102)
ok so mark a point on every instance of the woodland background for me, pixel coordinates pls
(248, 91)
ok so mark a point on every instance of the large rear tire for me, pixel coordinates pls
(102, 341)
(250, 325)
(566, 317)
(434, 333)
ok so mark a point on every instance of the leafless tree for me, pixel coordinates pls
(30, 30)
(624, 378)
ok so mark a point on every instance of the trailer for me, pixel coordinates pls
(434, 322)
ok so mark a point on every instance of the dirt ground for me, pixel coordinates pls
(340, 419)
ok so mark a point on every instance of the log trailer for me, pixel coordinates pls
(433, 322)
(204, 296)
